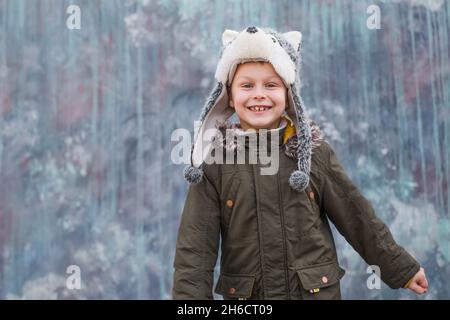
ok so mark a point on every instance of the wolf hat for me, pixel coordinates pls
(256, 44)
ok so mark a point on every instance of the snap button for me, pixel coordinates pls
(324, 279)
(311, 195)
(232, 290)
(229, 203)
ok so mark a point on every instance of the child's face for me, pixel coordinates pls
(258, 84)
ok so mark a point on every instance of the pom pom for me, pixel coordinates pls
(192, 174)
(298, 180)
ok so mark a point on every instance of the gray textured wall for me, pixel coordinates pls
(86, 117)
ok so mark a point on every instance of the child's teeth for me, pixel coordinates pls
(259, 108)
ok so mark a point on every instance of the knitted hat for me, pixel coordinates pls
(256, 44)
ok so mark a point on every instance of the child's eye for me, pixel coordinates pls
(272, 84)
(246, 85)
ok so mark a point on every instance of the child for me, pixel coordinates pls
(276, 239)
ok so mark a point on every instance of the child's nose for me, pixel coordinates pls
(259, 97)
(259, 94)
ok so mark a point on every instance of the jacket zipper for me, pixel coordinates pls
(283, 234)
(261, 243)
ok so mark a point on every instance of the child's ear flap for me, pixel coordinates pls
(294, 38)
(228, 36)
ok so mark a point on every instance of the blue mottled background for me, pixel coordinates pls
(86, 117)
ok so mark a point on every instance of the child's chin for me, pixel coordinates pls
(260, 125)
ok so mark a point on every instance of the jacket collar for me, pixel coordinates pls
(227, 131)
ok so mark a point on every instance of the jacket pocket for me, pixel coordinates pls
(321, 281)
(313, 198)
(235, 286)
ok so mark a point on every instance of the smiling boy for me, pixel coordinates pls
(276, 241)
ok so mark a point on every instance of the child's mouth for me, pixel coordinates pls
(259, 109)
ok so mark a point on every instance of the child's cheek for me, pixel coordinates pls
(280, 97)
(242, 98)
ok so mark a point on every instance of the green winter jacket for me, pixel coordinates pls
(276, 243)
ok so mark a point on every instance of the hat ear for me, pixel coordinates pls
(294, 38)
(228, 36)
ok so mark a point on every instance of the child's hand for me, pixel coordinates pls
(419, 283)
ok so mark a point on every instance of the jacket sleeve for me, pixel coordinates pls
(197, 243)
(354, 217)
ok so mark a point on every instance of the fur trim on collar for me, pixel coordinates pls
(228, 130)
(291, 146)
